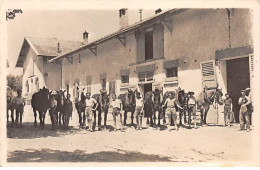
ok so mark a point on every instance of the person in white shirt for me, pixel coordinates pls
(171, 111)
(139, 110)
(117, 106)
(192, 109)
(19, 102)
(89, 103)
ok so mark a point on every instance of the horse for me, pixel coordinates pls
(182, 99)
(60, 97)
(66, 111)
(80, 107)
(211, 96)
(41, 102)
(157, 98)
(128, 101)
(10, 106)
(149, 108)
(103, 105)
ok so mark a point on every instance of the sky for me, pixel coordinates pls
(63, 24)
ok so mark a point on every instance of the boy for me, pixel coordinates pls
(89, 103)
(171, 111)
(19, 102)
(116, 104)
(243, 112)
(139, 110)
(227, 109)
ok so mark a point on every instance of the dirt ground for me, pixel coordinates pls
(210, 144)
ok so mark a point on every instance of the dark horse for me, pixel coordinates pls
(10, 105)
(149, 108)
(41, 102)
(209, 96)
(103, 105)
(182, 99)
(157, 99)
(128, 100)
(80, 107)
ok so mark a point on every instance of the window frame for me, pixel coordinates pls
(148, 45)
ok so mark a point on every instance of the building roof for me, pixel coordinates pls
(121, 31)
(45, 47)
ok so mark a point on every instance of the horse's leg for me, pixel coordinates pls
(94, 115)
(105, 119)
(180, 117)
(99, 119)
(40, 117)
(35, 117)
(159, 118)
(12, 116)
(125, 116)
(184, 113)
(132, 118)
(16, 116)
(43, 118)
(205, 115)
(201, 115)
(80, 118)
(189, 117)
(21, 117)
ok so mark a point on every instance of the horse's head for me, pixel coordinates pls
(215, 96)
(46, 95)
(131, 96)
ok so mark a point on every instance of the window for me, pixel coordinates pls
(143, 77)
(172, 72)
(125, 79)
(103, 83)
(27, 86)
(37, 83)
(88, 83)
(149, 44)
(79, 58)
(112, 87)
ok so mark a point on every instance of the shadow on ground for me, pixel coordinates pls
(29, 131)
(47, 155)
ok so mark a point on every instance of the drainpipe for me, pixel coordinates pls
(229, 36)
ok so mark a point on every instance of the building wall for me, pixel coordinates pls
(196, 36)
(52, 75)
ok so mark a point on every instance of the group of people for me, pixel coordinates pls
(171, 105)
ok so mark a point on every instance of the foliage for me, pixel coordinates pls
(14, 82)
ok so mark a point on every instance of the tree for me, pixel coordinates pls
(14, 82)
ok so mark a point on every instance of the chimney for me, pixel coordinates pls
(158, 11)
(58, 48)
(123, 18)
(85, 37)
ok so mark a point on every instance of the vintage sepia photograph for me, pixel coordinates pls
(114, 83)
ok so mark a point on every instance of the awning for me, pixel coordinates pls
(124, 72)
(171, 63)
(147, 68)
(233, 52)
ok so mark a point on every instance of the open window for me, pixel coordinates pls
(149, 44)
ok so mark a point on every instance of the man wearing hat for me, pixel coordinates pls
(192, 109)
(244, 101)
(250, 106)
(89, 103)
(138, 114)
(117, 106)
(19, 102)
(227, 109)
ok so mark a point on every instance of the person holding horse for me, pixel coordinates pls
(171, 111)
(244, 101)
(227, 109)
(89, 103)
(53, 113)
(157, 97)
(250, 107)
(139, 110)
(192, 109)
(117, 106)
(19, 103)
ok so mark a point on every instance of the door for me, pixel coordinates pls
(238, 78)
(148, 87)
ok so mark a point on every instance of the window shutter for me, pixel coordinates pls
(251, 65)
(208, 71)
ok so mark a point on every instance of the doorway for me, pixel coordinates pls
(238, 78)
(145, 88)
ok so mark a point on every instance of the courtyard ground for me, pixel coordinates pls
(210, 144)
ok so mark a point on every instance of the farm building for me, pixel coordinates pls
(187, 48)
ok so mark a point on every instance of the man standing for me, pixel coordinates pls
(250, 108)
(227, 109)
(244, 101)
(53, 113)
(19, 102)
(139, 110)
(89, 103)
(171, 111)
(192, 109)
(117, 106)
